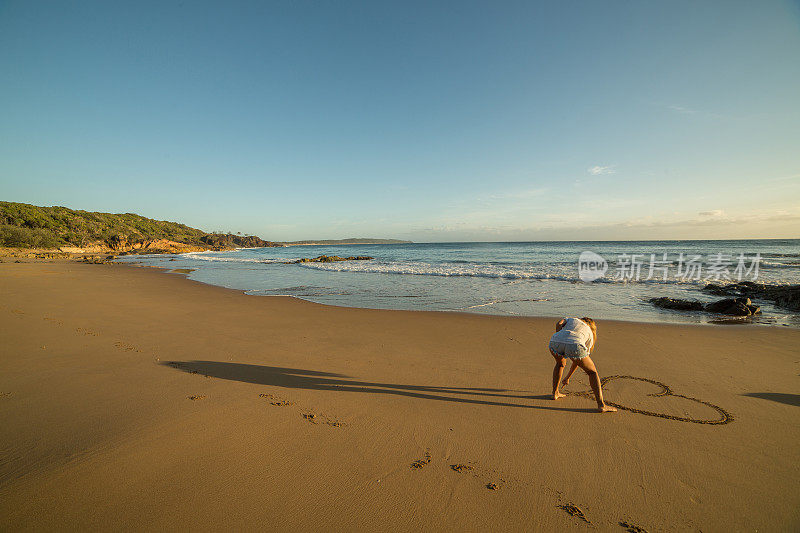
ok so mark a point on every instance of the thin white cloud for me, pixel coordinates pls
(713, 213)
(598, 170)
(681, 109)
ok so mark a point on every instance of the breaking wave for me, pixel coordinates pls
(203, 256)
(475, 270)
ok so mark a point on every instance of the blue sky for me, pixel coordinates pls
(430, 121)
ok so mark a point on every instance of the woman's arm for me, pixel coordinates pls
(565, 382)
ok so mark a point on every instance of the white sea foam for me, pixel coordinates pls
(781, 264)
(202, 256)
(492, 271)
(442, 269)
(509, 273)
(497, 278)
(505, 302)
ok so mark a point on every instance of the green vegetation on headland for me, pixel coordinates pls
(348, 241)
(30, 226)
(49, 228)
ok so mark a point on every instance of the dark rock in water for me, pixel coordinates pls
(747, 289)
(740, 307)
(332, 258)
(786, 296)
(677, 304)
(717, 290)
(730, 306)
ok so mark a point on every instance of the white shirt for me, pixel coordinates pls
(575, 331)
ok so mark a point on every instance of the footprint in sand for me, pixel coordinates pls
(127, 347)
(315, 419)
(312, 418)
(573, 510)
(422, 463)
(5, 394)
(196, 397)
(632, 528)
(274, 400)
(481, 473)
(462, 469)
(87, 332)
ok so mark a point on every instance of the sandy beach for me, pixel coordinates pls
(132, 399)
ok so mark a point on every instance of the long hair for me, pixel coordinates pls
(593, 326)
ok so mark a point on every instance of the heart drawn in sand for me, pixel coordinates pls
(725, 416)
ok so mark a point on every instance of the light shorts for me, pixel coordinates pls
(570, 350)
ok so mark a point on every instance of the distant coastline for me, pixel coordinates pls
(353, 240)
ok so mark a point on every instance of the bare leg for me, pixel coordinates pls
(558, 370)
(565, 381)
(587, 365)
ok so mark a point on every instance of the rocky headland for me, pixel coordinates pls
(30, 231)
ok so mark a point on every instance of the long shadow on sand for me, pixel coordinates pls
(295, 378)
(780, 397)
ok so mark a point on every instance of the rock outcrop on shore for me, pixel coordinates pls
(212, 241)
(740, 303)
(734, 307)
(785, 296)
(331, 259)
(97, 259)
(727, 306)
(160, 246)
(677, 304)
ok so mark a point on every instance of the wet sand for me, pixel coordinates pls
(135, 399)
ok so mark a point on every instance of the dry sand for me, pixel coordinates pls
(134, 399)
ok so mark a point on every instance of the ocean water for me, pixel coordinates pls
(512, 279)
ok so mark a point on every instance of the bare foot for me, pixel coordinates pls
(606, 409)
(557, 395)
